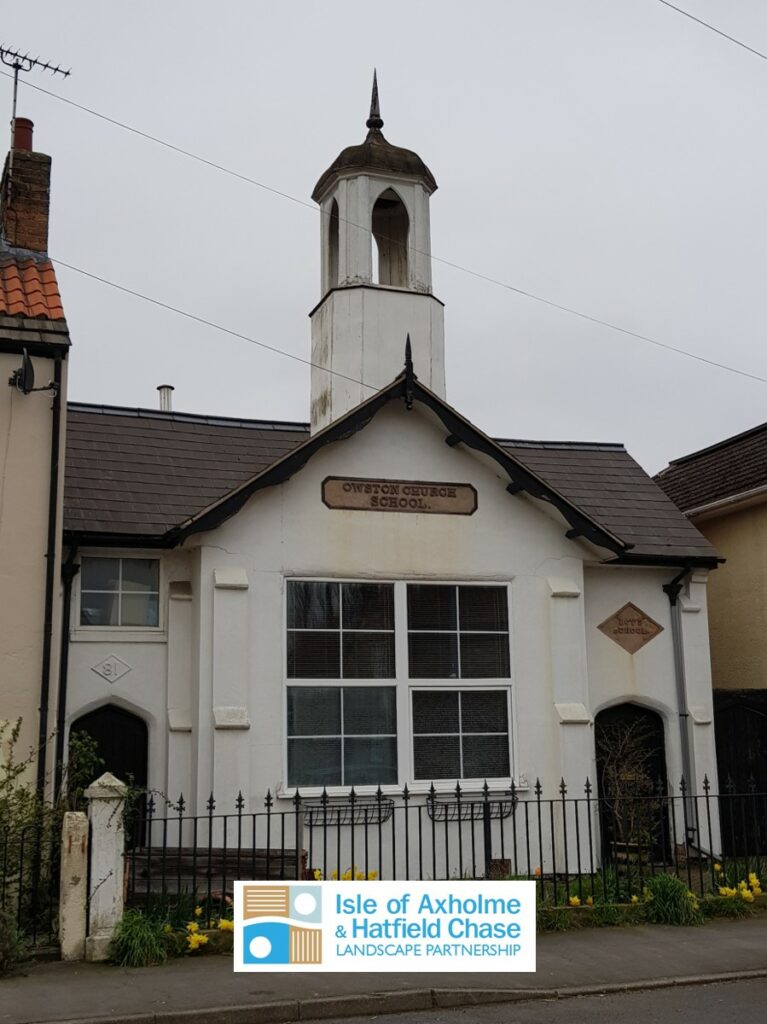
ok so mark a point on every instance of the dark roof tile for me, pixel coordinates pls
(725, 470)
(141, 473)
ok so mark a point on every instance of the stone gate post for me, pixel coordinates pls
(106, 799)
(73, 890)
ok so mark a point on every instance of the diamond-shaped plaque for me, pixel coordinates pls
(630, 628)
(111, 668)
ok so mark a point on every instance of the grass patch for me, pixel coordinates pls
(139, 941)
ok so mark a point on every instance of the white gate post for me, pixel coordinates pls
(106, 797)
(73, 890)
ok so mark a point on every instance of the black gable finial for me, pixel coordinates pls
(409, 374)
(375, 121)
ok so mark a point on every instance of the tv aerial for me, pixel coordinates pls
(23, 62)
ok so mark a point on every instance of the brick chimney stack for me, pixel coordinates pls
(25, 192)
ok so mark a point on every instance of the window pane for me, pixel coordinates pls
(370, 760)
(312, 605)
(436, 757)
(368, 605)
(485, 757)
(483, 608)
(434, 711)
(484, 655)
(314, 711)
(431, 607)
(314, 762)
(98, 609)
(370, 709)
(100, 574)
(141, 574)
(484, 711)
(314, 655)
(433, 655)
(139, 610)
(368, 656)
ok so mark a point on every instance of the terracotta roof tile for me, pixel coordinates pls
(28, 288)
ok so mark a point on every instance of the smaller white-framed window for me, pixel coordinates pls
(117, 592)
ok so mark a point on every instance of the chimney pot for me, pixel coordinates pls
(22, 134)
(166, 392)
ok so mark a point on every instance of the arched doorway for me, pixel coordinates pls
(632, 783)
(122, 741)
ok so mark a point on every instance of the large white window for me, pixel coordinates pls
(371, 664)
(119, 592)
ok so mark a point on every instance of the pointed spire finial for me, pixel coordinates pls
(375, 121)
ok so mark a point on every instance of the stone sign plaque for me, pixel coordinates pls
(630, 628)
(418, 496)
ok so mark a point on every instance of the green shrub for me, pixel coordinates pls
(553, 919)
(139, 941)
(669, 901)
(719, 906)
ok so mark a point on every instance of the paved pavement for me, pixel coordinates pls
(741, 1002)
(207, 991)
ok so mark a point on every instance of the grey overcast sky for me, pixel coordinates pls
(607, 154)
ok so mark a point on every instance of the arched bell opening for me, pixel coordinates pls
(333, 246)
(390, 227)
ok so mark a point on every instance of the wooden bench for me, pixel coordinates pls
(175, 870)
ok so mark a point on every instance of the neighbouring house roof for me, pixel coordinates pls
(727, 470)
(140, 476)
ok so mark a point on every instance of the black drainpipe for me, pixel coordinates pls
(672, 591)
(50, 578)
(68, 572)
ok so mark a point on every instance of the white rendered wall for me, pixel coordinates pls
(231, 622)
(359, 334)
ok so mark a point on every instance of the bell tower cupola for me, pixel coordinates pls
(376, 275)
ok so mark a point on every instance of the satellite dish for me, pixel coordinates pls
(23, 379)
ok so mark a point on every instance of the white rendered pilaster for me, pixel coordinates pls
(231, 717)
(179, 691)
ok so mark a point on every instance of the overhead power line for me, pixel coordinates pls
(706, 24)
(307, 362)
(202, 320)
(311, 206)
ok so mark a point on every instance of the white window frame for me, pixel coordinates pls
(404, 688)
(122, 634)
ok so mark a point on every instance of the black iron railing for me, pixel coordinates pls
(572, 843)
(29, 877)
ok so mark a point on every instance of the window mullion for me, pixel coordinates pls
(460, 735)
(119, 591)
(458, 639)
(343, 748)
(341, 640)
(405, 763)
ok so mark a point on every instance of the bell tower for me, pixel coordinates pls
(376, 275)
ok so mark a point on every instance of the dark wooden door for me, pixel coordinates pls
(122, 740)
